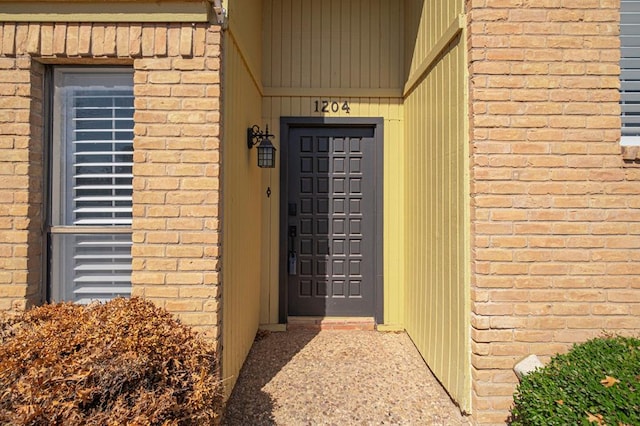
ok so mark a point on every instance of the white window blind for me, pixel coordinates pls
(102, 156)
(92, 184)
(91, 267)
(630, 71)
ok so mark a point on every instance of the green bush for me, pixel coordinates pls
(118, 363)
(595, 383)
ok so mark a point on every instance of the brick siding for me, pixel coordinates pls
(555, 208)
(21, 182)
(176, 231)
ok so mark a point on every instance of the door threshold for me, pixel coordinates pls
(331, 323)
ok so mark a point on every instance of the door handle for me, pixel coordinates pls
(292, 263)
(293, 258)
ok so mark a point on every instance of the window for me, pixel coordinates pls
(91, 184)
(630, 71)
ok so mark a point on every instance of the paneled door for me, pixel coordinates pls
(332, 221)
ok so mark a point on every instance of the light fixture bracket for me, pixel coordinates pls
(256, 136)
(266, 150)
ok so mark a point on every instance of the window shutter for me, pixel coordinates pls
(630, 71)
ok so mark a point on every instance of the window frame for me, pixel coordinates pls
(58, 176)
(629, 140)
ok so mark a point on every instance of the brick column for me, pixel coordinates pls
(176, 177)
(556, 210)
(21, 177)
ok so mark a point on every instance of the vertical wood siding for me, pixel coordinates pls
(352, 51)
(425, 23)
(437, 207)
(245, 26)
(333, 44)
(242, 229)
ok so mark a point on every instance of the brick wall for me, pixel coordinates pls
(176, 157)
(176, 175)
(21, 182)
(556, 209)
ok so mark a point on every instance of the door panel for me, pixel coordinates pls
(331, 221)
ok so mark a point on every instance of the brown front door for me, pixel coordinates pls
(332, 221)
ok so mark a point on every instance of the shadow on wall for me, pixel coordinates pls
(413, 15)
(249, 404)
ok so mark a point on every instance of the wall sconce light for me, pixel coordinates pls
(266, 150)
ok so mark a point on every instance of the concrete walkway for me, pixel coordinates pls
(327, 377)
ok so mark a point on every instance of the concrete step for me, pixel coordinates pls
(331, 323)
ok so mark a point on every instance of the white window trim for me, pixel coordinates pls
(630, 141)
(63, 261)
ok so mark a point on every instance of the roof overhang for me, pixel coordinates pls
(108, 10)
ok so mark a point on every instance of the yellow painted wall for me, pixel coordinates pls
(333, 44)
(383, 57)
(436, 304)
(338, 50)
(242, 210)
(245, 26)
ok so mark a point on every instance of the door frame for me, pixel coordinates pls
(287, 123)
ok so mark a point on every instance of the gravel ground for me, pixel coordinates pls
(338, 378)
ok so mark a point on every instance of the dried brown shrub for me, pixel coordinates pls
(122, 362)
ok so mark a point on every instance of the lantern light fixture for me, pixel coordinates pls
(266, 150)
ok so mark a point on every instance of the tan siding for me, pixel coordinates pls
(333, 44)
(436, 182)
(241, 269)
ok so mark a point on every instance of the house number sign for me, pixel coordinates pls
(327, 106)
